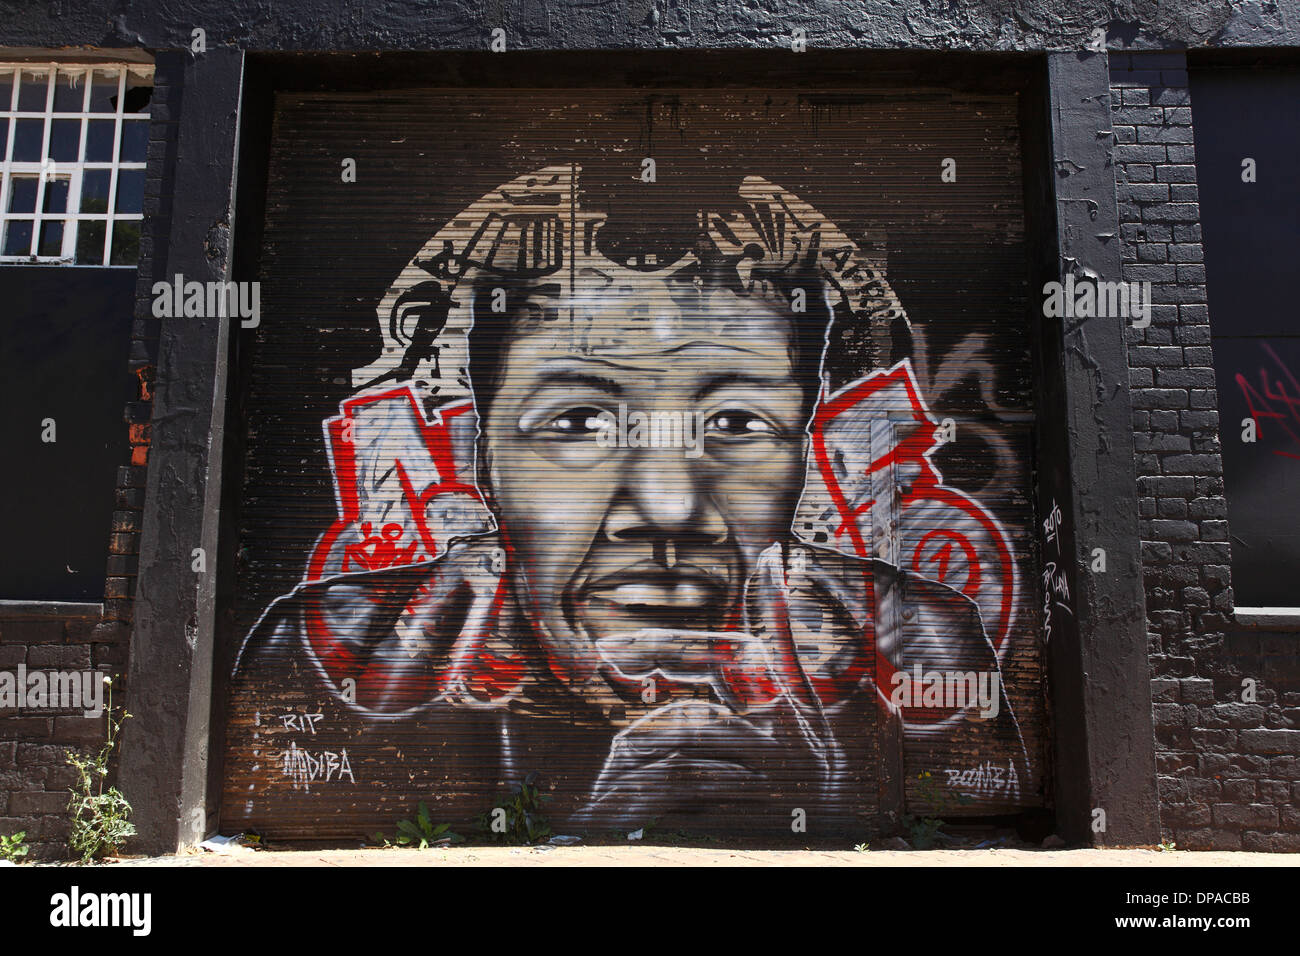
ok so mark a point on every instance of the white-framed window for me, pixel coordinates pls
(72, 143)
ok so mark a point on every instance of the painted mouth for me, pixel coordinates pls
(651, 597)
(666, 591)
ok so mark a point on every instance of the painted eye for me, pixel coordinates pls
(735, 423)
(582, 422)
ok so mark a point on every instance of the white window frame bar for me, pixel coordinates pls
(73, 172)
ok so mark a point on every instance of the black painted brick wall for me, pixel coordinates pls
(124, 545)
(34, 773)
(1229, 770)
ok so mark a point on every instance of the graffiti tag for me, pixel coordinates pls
(1273, 400)
(986, 780)
(305, 767)
(1056, 586)
(304, 723)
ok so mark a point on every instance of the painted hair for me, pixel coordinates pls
(795, 289)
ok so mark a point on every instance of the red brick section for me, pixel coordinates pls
(1229, 770)
(124, 542)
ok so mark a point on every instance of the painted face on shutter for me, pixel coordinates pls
(644, 444)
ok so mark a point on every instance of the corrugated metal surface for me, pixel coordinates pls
(702, 620)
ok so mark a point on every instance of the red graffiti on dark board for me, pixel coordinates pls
(935, 551)
(373, 552)
(376, 551)
(935, 554)
(1273, 400)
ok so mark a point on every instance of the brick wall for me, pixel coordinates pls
(34, 773)
(124, 545)
(1229, 770)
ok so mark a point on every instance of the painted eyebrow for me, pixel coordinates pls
(738, 378)
(599, 382)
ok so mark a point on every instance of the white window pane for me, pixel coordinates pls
(92, 123)
(94, 191)
(99, 140)
(130, 192)
(65, 140)
(51, 240)
(17, 238)
(32, 92)
(126, 244)
(135, 141)
(22, 194)
(29, 135)
(90, 241)
(69, 91)
(139, 91)
(56, 196)
(103, 91)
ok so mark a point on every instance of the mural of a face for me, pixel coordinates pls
(610, 535)
(628, 467)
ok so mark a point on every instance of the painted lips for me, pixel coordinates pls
(652, 597)
(683, 592)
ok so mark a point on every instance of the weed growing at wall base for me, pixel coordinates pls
(100, 818)
(924, 832)
(421, 833)
(12, 848)
(518, 819)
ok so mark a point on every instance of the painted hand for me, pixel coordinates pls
(759, 736)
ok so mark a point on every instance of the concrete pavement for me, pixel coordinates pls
(643, 855)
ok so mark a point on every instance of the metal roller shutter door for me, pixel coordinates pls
(381, 663)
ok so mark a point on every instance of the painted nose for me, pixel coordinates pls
(664, 494)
